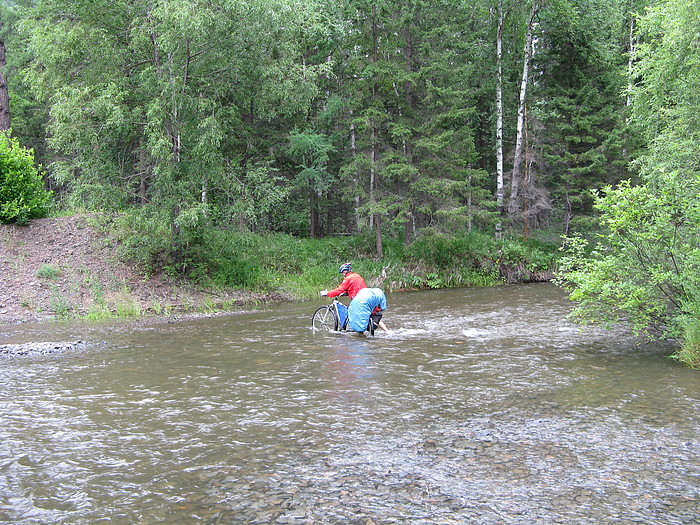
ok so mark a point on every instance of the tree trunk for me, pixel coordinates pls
(526, 184)
(514, 203)
(500, 184)
(411, 103)
(409, 232)
(568, 215)
(355, 175)
(470, 204)
(380, 247)
(632, 44)
(4, 92)
(314, 219)
(374, 175)
(373, 171)
(630, 62)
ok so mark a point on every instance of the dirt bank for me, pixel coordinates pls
(66, 267)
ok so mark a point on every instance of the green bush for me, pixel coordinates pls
(533, 255)
(48, 272)
(442, 251)
(144, 237)
(689, 335)
(300, 267)
(22, 193)
(684, 327)
(228, 258)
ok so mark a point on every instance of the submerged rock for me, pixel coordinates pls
(40, 348)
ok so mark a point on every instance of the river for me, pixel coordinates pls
(482, 406)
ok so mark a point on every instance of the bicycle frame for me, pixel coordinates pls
(330, 318)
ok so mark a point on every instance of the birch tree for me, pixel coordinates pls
(500, 175)
(146, 96)
(516, 197)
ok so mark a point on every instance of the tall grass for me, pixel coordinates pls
(298, 268)
(685, 327)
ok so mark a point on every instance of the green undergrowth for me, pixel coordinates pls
(297, 268)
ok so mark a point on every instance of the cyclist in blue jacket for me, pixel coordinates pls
(365, 311)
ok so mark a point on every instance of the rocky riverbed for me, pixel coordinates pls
(489, 472)
(40, 348)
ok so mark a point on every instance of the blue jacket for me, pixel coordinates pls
(362, 307)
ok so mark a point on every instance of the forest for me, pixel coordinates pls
(468, 140)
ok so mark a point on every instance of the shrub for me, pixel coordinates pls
(442, 251)
(222, 258)
(22, 193)
(684, 327)
(48, 272)
(144, 237)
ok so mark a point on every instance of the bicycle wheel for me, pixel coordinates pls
(325, 319)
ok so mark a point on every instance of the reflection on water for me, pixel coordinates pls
(481, 405)
(349, 365)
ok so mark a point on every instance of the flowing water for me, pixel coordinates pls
(483, 406)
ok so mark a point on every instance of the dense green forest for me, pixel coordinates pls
(470, 139)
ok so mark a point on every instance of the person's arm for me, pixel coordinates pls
(340, 290)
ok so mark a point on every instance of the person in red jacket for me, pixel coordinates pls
(352, 283)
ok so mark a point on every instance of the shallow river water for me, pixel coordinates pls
(483, 406)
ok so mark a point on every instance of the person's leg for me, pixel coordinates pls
(376, 320)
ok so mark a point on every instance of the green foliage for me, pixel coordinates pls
(22, 193)
(140, 114)
(226, 259)
(442, 251)
(299, 268)
(47, 271)
(533, 255)
(581, 115)
(479, 259)
(689, 351)
(315, 117)
(312, 151)
(644, 269)
(412, 89)
(144, 238)
(59, 304)
(203, 120)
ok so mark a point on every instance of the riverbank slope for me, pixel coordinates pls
(66, 267)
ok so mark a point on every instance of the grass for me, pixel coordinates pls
(59, 304)
(292, 267)
(47, 271)
(299, 267)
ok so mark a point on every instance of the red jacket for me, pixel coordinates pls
(352, 284)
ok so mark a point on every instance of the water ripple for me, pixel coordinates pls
(481, 406)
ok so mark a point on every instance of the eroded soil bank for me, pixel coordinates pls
(67, 267)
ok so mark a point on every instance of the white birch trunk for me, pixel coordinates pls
(514, 201)
(500, 184)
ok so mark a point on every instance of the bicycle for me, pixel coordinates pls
(334, 318)
(330, 318)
